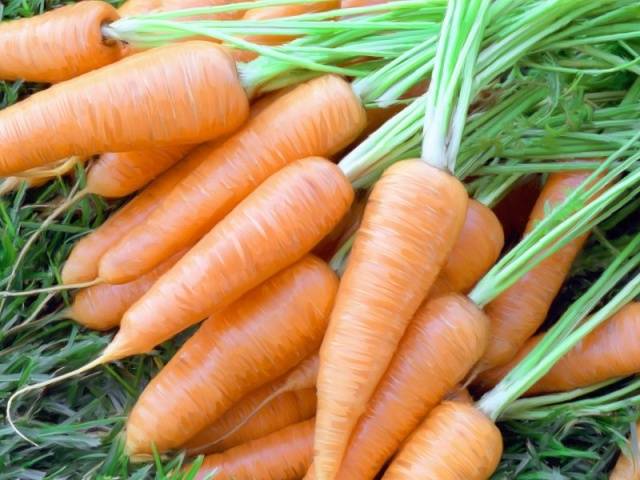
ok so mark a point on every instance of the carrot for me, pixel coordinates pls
(283, 455)
(414, 214)
(58, 45)
(626, 467)
(82, 264)
(520, 310)
(249, 344)
(137, 7)
(210, 439)
(608, 352)
(284, 410)
(116, 107)
(101, 307)
(455, 442)
(433, 348)
(331, 118)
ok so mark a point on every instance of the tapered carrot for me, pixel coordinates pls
(210, 439)
(116, 108)
(283, 455)
(284, 132)
(101, 307)
(82, 264)
(284, 410)
(413, 217)
(59, 44)
(610, 351)
(455, 442)
(519, 311)
(252, 342)
(627, 467)
(433, 356)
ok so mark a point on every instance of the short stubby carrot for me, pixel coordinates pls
(59, 44)
(317, 118)
(116, 175)
(82, 264)
(627, 467)
(115, 108)
(610, 351)
(301, 377)
(455, 442)
(250, 343)
(413, 217)
(283, 455)
(271, 229)
(100, 307)
(519, 311)
(446, 337)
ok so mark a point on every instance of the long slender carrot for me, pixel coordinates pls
(116, 108)
(101, 307)
(455, 442)
(626, 467)
(520, 310)
(284, 410)
(59, 44)
(283, 455)
(284, 132)
(414, 214)
(82, 264)
(610, 351)
(252, 342)
(302, 377)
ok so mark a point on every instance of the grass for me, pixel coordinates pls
(78, 424)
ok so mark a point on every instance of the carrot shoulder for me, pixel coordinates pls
(283, 455)
(412, 219)
(317, 118)
(119, 107)
(249, 344)
(59, 44)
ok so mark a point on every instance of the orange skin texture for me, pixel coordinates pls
(138, 7)
(519, 311)
(100, 307)
(455, 442)
(245, 346)
(446, 337)
(284, 410)
(410, 224)
(302, 377)
(283, 455)
(331, 117)
(117, 175)
(115, 108)
(59, 44)
(271, 229)
(82, 264)
(626, 468)
(610, 351)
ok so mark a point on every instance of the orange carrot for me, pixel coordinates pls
(249, 344)
(519, 311)
(284, 132)
(626, 467)
(610, 351)
(138, 7)
(413, 217)
(302, 377)
(116, 108)
(58, 45)
(283, 455)
(284, 410)
(429, 454)
(101, 307)
(433, 348)
(82, 264)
